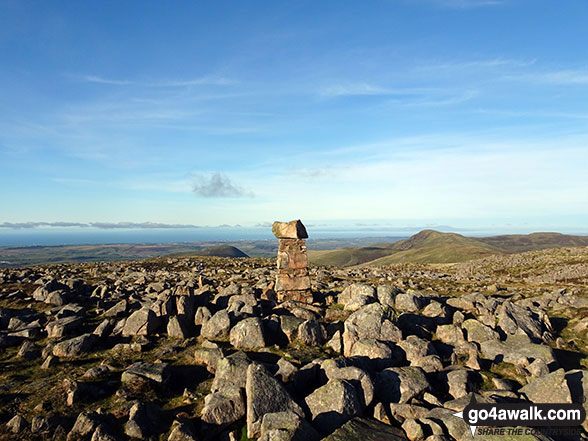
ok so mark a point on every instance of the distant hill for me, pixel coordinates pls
(221, 251)
(519, 243)
(429, 246)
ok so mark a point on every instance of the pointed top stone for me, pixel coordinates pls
(289, 230)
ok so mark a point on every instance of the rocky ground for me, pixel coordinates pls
(198, 349)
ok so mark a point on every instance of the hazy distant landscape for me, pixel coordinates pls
(428, 246)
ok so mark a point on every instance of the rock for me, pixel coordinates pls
(217, 327)
(178, 327)
(413, 429)
(538, 368)
(104, 328)
(516, 347)
(369, 322)
(28, 351)
(356, 296)
(312, 333)
(551, 388)
(416, 348)
(57, 298)
(408, 302)
(478, 332)
(514, 319)
(461, 382)
(144, 421)
(577, 381)
(289, 326)
(335, 343)
(63, 326)
(436, 310)
(363, 429)
(103, 434)
(40, 424)
(387, 294)
(332, 405)
(202, 315)
(379, 352)
(401, 384)
(265, 394)
(85, 425)
(99, 372)
(50, 362)
(231, 372)
(182, 431)
(224, 407)
(209, 357)
(248, 334)
(155, 372)
(74, 346)
(286, 370)
(289, 230)
(286, 426)
(456, 427)
(117, 310)
(17, 424)
(357, 377)
(141, 322)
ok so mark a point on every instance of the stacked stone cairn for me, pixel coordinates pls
(293, 280)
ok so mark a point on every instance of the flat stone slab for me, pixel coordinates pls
(156, 372)
(364, 429)
(289, 230)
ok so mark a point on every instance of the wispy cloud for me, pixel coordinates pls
(101, 80)
(218, 185)
(561, 77)
(311, 173)
(356, 89)
(207, 80)
(100, 225)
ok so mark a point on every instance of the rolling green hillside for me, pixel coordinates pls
(431, 246)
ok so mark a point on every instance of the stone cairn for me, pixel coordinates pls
(293, 280)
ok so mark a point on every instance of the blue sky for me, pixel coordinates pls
(471, 113)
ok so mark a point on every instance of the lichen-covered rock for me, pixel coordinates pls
(155, 372)
(217, 327)
(286, 426)
(356, 295)
(551, 388)
(478, 332)
(332, 405)
(369, 322)
(144, 421)
(265, 394)
(364, 429)
(178, 327)
(141, 322)
(515, 347)
(312, 333)
(224, 407)
(248, 334)
(74, 346)
(401, 384)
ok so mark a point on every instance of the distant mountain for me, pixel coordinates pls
(429, 246)
(221, 251)
(519, 243)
